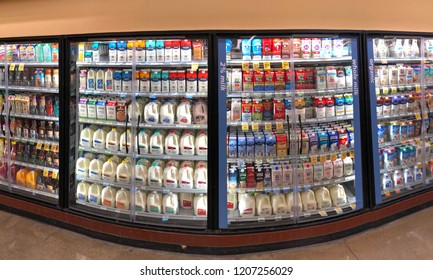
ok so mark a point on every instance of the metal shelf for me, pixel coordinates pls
(33, 140)
(168, 190)
(173, 126)
(329, 119)
(306, 121)
(234, 217)
(174, 64)
(32, 63)
(338, 210)
(174, 157)
(104, 208)
(102, 122)
(345, 59)
(395, 191)
(104, 182)
(407, 115)
(33, 89)
(104, 92)
(35, 192)
(184, 214)
(402, 142)
(103, 151)
(398, 167)
(391, 60)
(328, 182)
(34, 117)
(285, 93)
(34, 166)
(172, 94)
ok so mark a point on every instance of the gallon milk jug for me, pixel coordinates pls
(140, 174)
(279, 204)
(122, 199)
(200, 177)
(125, 141)
(263, 204)
(200, 205)
(82, 191)
(167, 112)
(186, 177)
(108, 196)
(338, 195)
(154, 175)
(86, 137)
(95, 168)
(138, 111)
(187, 147)
(172, 143)
(323, 198)
(290, 199)
(170, 204)
(154, 200)
(99, 138)
(232, 201)
(157, 143)
(109, 169)
(113, 140)
(171, 176)
(151, 112)
(199, 112)
(82, 167)
(143, 142)
(247, 205)
(184, 112)
(123, 172)
(201, 144)
(186, 200)
(94, 194)
(308, 200)
(140, 201)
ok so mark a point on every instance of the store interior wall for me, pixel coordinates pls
(54, 17)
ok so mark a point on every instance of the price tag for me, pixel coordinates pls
(54, 175)
(323, 213)
(418, 142)
(255, 126)
(245, 66)
(339, 210)
(387, 194)
(393, 90)
(385, 90)
(267, 65)
(285, 65)
(21, 67)
(256, 65)
(419, 165)
(343, 155)
(39, 145)
(377, 91)
(397, 191)
(333, 157)
(231, 191)
(352, 154)
(47, 147)
(418, 88)
(404, 142)
(241, 190)
(194, 67)
(268, 126)
(384, 61)
(45, 174)
(313, 159)
(165, 218)
(12, 67)
(279, 125)
(307, 214)
(417, 116)
(323, 158)
(245, 126)
(54, 148)
(353, 206)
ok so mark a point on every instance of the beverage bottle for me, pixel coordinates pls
(41, 105)
(12, 127)
(50, 131)
(382, 49)
(55, 78)
(42, 130)
(41, 157)
(33, 130)
(18, 77)
(56, 160)
(48, 79)
(33, 105)
(414, 49)
(398, 49)
(56, 131)
(49, 158)
(27, 150)
(13, 150)
(20, 151)
(406, 48)
(19, 128)
(49, 110)
(56, 107)
(33, 154)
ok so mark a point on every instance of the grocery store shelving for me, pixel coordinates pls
(325, 212)
(101, 122)
(174, 157)
(104, 182)
(397, 167)
(389, 192)
(33, 89)
(305, 121)
(32, 63)
(103, 151)
(104, 208)
(402, 142)
(234, 217)
(328, 119)
(35, 166)
(261, 190)
(392, 60)
(172, 94)
(174, 64)
(397, 116)
(285, 93)
(173, 126)
(184, 214)
(104, 92)
(35, 192)
(173, 190)
(327, 182)
(31, 140)
(34, 117)
(345, 59)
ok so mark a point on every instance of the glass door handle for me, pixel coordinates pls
(300, 126)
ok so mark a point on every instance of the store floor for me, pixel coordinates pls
(407, 238)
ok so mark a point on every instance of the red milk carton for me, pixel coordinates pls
(279, 110)
(247, 81)
(276, 48)
(259, 80)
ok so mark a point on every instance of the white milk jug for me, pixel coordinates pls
(95, 168)
(348, 166)
(308, 200)
(184, 112)
(139, 108)
(123, 172)
(323, 198)
(82, 191)
(157, 143)
(99, 138)
(200, 205)
(170, 204)
(290, 199)
(232, 201)
(140, 201)
(82, 167)
(263, 204)
(279, 204)
(338, 195)
(151, 113)
(200, 177)
(172, 143)
(186, 177)
(108, 196)
(154, 175)
(109, 169)
(143, 142)
(186, 200)
(141, 174)
(171, 176)
(125, 141)
(94, 194)
(86, 137)
(200, 112)
(113, 140)
(247, 205)
(154, 202)
(187, 147)
(167, 113)
(123, 199)
(201, 144)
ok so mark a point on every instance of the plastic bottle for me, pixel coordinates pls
(91, 83)
(170, 204)
(21, 177)
(232, 201)
(200, 205)
(95, 168)
(109, 79)
(94, 194)
(382, 48)
(156, 143)
(187, 143)
(186, 177)
(108, 196)
(154, 175)
(113, 140)
(82, 167)
(338, 195)
(100, 82)
(398, 49)
(140, 201)
(247, 205)
(123, 199)
(31, 179)
(183, 112)
(82, 191)
(290, 199)
(186, 200)
(171, 175)
(308, 200)
(154, 200)
(172, 143)
(263, 204)
(140, 174)
(279, 204)
(143, 142)
(348, 166)
(109, 169)
(200, 177)
(99, 138)
(123, 172)
(323, 198)
(86, 137)
(407, 49)
(414, 49)
(151, 112)
(167, 113)
(125, 141)
(201, 144)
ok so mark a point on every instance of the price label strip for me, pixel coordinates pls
(256, 66)
(285, 65)
(194, 66)
(268, 126)
(267, 65)
(245, 66)
(418, 88)
(323, 213)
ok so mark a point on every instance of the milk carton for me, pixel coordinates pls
(121, 51)
(159, 46)
(82, 108)
(259, 148)
(144, 80)
(277, 176)
(155, 80)
(181, 82)
(186, 200)
(150, 51)
(232, 146)
(338, 168)
(101, 113)
(236, 80)
(140, 52)
(328, 170)
(185, 50)
(308, 173)
(318, 171)
(165, 83)
(203, 80)
(91, 108)
(172, 76)
(270, 145)
(176, 50)
(191, 80)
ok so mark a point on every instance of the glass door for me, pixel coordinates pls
(292, 122)
(30, 119)
(142, 129)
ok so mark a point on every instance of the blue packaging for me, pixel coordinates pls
(242, 145)
(382, 136)
(233, 178)
(333, 140)
(246, 49)
(390, 157)
(323, 141)
(259, 144)
(257, 48)
(270, 145)
(228, 48)
(381, 163)
(233, 146)
(351, 133)
(250, 145)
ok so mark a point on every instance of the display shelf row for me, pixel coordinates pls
(172, 64)
(398, 116)
(402, 142)
(35, 192)
(29, 64)
(35, 166)
(147, 94)
(396, 60)
(143, 125)
(34, 117)
(398, 167)
(389, 192)
(238, 62)
(250, 125)
(30, 140)
(335, 210)
(282, 94)
(32, 89)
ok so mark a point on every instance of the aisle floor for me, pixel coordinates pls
(407, 238)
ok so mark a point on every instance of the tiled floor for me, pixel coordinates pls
(407, 238)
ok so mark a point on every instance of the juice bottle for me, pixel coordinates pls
(26, 129)
(50, 131)
(31, 179)
(21, 177)
(33, 154)
(49, 109)
(33, 130)
(49, 157)
(19, 128)
(56, 131)
(42, 130)
(41, 157)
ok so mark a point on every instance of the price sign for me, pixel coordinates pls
(39, 145)
(55, 175)
(279, 125)
(393, 90)
(418, 116)
(418, 88)
(314, 159)
(397, 191)
(267, 65)
(256, 66)
(387, 194)
(245, 66)
(339, 210)
(255, 126)
(245, 126)
(285, 65)
(352, 154)
(268, 126)
(54, 148)
(385, 90)
(323, 158)
(343, 155)
(21, 67)
(353, 206)
(194, 67)
(323, 213)
(384, 61)
(333, 157)
(377, 91)
(47, 147)
(45, 174)
(12, 67)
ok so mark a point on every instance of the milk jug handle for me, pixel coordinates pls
(300, 126)
(137, 131)
(126, 131)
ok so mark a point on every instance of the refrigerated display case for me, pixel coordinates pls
(288, 128)
(400, 99)
(30, 117)
(141, 119)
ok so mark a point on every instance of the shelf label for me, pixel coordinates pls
(255, 126)
(39, 145)
(53, 148)
(387, 194)
(418, 116)
(279, 125)
(256, 66)
(314, 159)
(352, 154)
(343, 155)
(266, 65)
(339, 210)
(323, 213)
(245, 126)
(245, 66)
(418, 88)
(307, 214)
(45, 173)
(377, 91)
(194, 66)
(164, 218)
(323, 158)
(408, 87)
(21, 67)
(384, 61)
(393, 90)
(385, 90)
(268, 126)
(242, 191)
(12, 67)
(285, 65)
(54, 175)
(333, 157)
(261, 219)
(46, 147)
(397, 191)
(353, 206)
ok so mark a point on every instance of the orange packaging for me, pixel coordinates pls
(269, 81)
(247, 81)
(281, 144)
(296, 48)
(246, 109)
(279, 111)
(280, 83)
(197, 50)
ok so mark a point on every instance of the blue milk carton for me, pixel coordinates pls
(333, 140)
(270, 144)
(233, 146)
(242, 145)
(250, 144)
(323, 141)
(259, 144)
